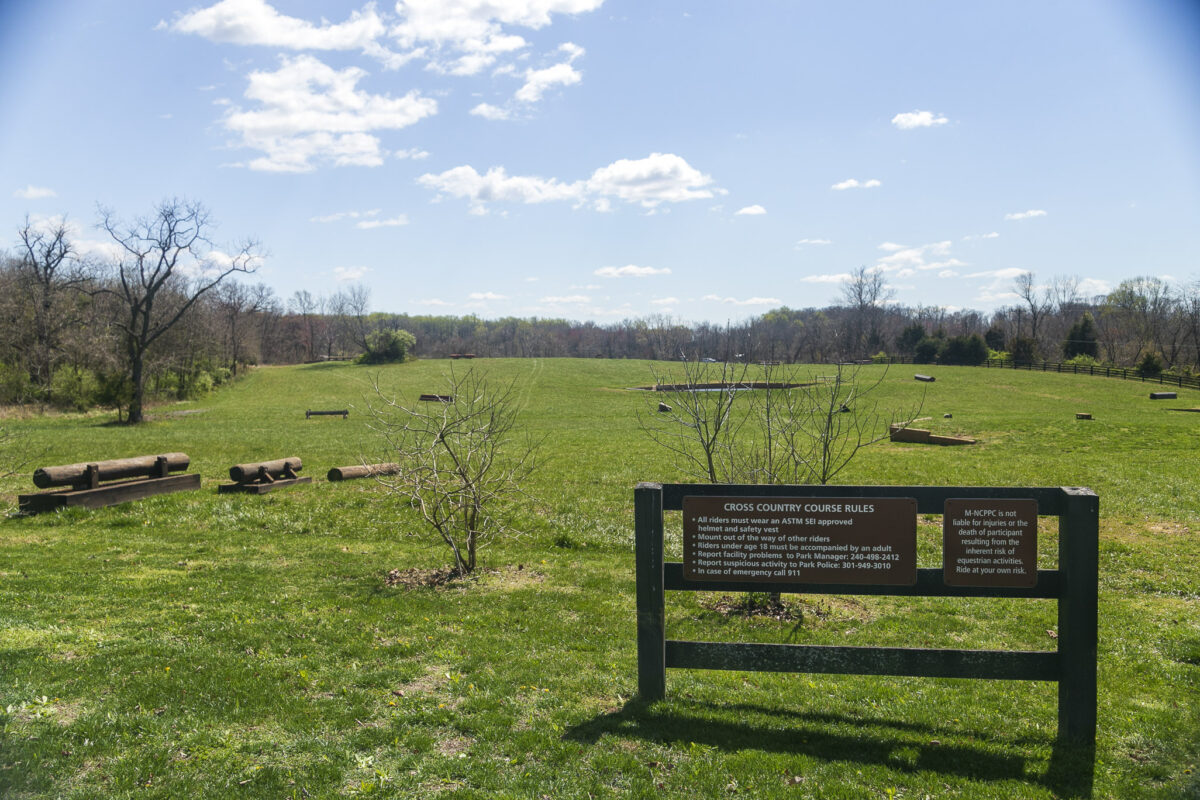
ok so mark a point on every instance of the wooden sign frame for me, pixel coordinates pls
(1074, 585)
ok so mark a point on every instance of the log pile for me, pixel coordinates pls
(129, 479)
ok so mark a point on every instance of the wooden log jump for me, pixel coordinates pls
(1163, 395)
(920, 436)
(344, 413)
(151, 476)
(925, 378)
(1082, 415)
(362, 471)
(436, 398)
(260, 477)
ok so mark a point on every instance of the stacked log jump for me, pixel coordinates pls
(151, 476)
(261, 477)
(344, 413)
(919, 436)
(362, 471)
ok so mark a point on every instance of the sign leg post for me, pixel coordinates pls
(1078, 564)
(651, 612)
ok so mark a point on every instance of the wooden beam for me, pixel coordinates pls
(916, 662)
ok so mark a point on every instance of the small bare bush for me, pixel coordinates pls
(461, 459)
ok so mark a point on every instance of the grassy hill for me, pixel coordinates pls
(204, 645)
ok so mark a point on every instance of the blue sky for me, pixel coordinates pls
(607, 159)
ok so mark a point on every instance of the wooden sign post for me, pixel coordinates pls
(862, 540)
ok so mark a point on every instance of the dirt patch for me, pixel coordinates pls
(434, 677)
(454, 746)
(510, 577)
(757, 605)
(415, 578)
(1169, 528)
(505, 578)
(816, 611)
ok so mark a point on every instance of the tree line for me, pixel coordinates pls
(163, 311)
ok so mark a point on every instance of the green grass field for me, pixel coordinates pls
(197, 645)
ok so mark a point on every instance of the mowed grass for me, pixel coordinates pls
(198, 645)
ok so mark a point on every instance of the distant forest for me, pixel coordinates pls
(70, 326)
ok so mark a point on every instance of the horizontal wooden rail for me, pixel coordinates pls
(929, 584)
(930, 499)
(1029, 665)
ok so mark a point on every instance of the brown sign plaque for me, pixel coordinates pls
(989, 543)
(801, 539)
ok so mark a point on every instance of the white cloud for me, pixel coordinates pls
(1006, 274)
(31, 192)
(396, 221)
(254, 22)
(312, 112)
(631, 271)
(853, 183)
(489, 111)
(486, 296)
(539, 81)
(992, 235)
(925, 257)
(472, 32)
(498, 186)
(838, 277)
(340, 215)
(917, 119)
(567, 300)
(1090, 287)
(947, 273)
(750, 211)
(342, 274)
(750, 301)
(1031, 213)
(432, 302)
(664, 301)
(415, 153)
(814, 241)
(659, 178)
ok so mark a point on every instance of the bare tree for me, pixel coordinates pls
(238, 304)
(167, 263)
(50, 271)
(1038, 299)
(810, 429)
(304, 304)
(782, 428)
(459, 459)
(700, 423)
(865, 292)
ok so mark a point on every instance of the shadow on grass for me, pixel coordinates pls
(903, 746)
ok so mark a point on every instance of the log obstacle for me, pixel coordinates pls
(436, 398)
(362, 471)
(924, 378)
(920, 436)
(1082, 415)
(260, 477)
(1163, 395)
(151, 476)
(344, 413)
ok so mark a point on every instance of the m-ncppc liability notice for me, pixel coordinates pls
(800, 540)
